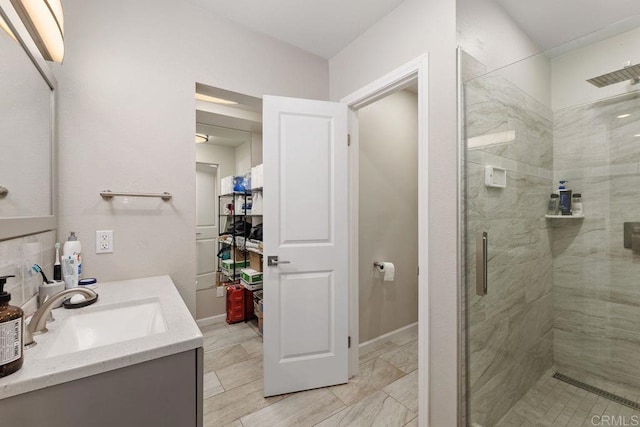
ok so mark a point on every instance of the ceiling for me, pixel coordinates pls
(550, 23)
(322, 27)
(223, 136)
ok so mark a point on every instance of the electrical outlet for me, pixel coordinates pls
(104, 242)
(220, 291)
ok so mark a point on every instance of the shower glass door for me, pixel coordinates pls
(556, 338)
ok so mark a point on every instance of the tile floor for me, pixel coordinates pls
(551, 402)
(385, 393)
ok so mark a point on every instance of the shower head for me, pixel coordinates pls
(629, 72)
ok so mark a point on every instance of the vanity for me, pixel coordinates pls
(134, 358)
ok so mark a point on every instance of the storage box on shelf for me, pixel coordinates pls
(258, 309)
(231, 268)
(255, 261)
(251, 276)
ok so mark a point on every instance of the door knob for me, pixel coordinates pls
(272, 261)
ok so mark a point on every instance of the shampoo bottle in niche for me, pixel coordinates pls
(11, 327)
(73, 248)
(565, 198)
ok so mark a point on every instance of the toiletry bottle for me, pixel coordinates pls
(565, 198)
(57, 267)
(11, 327)
(73, 248)
(576, 204)
(553, 205)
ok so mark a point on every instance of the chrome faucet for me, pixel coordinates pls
(38, 323)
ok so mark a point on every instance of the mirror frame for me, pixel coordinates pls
(11, 227)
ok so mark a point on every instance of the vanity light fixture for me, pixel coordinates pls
(7, 30)
(201, 138)
(623, 116)
(207, 98)
(637, 135)
(45, 22)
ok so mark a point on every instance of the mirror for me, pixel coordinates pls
(26, 133)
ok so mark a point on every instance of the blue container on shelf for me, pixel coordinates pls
(238, 184)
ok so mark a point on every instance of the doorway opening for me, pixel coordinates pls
(412, 77)
(387, 174)
(228, 147)
(298, 158)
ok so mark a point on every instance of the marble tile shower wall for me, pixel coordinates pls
(16, 258)
(596, 292)
(511, 328)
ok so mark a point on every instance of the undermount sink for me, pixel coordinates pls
(107, 325)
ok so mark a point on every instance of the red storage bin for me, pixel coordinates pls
(235, 304)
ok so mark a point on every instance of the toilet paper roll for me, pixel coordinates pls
(389, 271)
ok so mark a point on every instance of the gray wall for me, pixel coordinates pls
(388, 213)
(597, 300)
(414, 28)
(510, 329)
(127, 120)
(596, 337)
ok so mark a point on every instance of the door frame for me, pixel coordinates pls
(401, 78)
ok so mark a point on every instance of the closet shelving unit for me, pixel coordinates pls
(235, 241)
(231, 218)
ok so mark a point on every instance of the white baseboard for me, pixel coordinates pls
(220, 318)
(382, 339)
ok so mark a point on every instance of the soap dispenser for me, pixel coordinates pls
(565, 198)
(11, 328)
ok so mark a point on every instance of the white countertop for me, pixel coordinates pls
(182, 335)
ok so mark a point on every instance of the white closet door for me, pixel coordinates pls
(305, 225)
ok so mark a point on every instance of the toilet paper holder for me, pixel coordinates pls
(378, 264)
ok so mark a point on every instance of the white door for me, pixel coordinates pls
(305, 225)
(206, 228)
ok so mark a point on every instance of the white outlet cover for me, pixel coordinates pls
(104, 241)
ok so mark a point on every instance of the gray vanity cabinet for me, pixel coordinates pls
(161, 392)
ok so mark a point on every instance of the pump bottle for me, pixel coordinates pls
(11, 328)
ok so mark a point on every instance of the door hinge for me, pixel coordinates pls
(418, 270)
(349, 342)
(348, 140)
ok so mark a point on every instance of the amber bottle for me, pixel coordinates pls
(11, 328)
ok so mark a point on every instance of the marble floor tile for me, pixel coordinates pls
(219, 359)
(240, 373)
(379, 409)
(297, 410)
(377, 351)
(253, 346)
(404, 358)
(231, 405)
(406, 337)
(412, 423)
(221, 340)
(405, 391)
(552, 403)
(211, 385)
(374, 375)
(216, 328)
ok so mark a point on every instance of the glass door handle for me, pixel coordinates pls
(482, 259)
